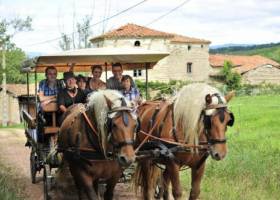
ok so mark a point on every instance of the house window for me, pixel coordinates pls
(137, 72)
(189, 68)
(137, 43)
(202, 46)
(189, 47)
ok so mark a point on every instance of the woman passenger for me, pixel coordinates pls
(95, 83)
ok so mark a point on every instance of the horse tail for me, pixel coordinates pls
(146, 176)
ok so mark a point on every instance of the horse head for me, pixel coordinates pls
(121, 126)
(216, 118)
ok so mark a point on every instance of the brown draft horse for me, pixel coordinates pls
(189, 127)
(88, 134)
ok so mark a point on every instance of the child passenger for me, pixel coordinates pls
(130, 93)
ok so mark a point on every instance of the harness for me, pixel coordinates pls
(95, 152)
(203, 146)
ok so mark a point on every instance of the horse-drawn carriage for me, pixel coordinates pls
(175, 133)
(80, 61)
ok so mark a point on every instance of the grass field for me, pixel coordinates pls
(251, 170)
(8, 191)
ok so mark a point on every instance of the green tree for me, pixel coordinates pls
(9, 28)
(11, 56)
(14, 58)
(231, 79)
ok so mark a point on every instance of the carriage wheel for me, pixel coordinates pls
(33, 166)
(47, 182)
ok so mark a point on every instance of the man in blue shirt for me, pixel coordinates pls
(48, 88)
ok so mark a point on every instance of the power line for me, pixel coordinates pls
(169, 12)
(106, 19)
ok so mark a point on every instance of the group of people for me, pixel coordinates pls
(73, 90)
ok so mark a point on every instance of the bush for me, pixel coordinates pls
(262, 89)
(231, 79)
(159, 88)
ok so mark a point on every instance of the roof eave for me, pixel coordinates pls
(192, 42)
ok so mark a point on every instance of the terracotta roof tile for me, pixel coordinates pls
(20, 89)
(186, 39)
(133, 30)
(241, 64)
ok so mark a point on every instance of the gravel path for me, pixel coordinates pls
(16, 155)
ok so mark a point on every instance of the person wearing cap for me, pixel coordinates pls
(71, 94)
(95, 83)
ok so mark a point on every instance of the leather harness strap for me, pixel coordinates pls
(89, 123)
(148, 135)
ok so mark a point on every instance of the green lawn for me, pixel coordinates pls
(251, 170)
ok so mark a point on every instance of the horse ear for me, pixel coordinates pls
(230, 95)
(208, 99)
(109, 102)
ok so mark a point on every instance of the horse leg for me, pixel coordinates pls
(96, 187)
(85, 182)
(79, 188)
(197, 175)
(173, 171)
(165, 184)
(111, 183)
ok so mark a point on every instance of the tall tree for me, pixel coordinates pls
(14, 58)
(79, 40)
(8, 29)
(11, 55)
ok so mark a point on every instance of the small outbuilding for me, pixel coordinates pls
(254, 69)
(14, 92)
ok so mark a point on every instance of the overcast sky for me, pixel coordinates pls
(220, 21)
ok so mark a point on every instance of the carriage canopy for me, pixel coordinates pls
(83, 59)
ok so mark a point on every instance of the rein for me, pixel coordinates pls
(201, 146)
(89, 123)
(176, 142)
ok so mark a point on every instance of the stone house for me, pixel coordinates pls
(188, 59)
(13, 93)
(253, 69)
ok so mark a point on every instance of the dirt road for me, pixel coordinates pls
(16, 155)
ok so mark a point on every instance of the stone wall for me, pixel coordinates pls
(13, 109)
(263, 74)
(174, 66)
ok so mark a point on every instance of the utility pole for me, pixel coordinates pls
(4, 88)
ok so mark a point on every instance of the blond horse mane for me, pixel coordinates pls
(98, 102)
(189, 103)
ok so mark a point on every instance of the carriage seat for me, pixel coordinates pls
(51, 108)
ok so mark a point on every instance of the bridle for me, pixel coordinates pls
(122, 111)
(207, 122)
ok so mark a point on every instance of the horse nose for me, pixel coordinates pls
(218, 156)
(124, 161)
